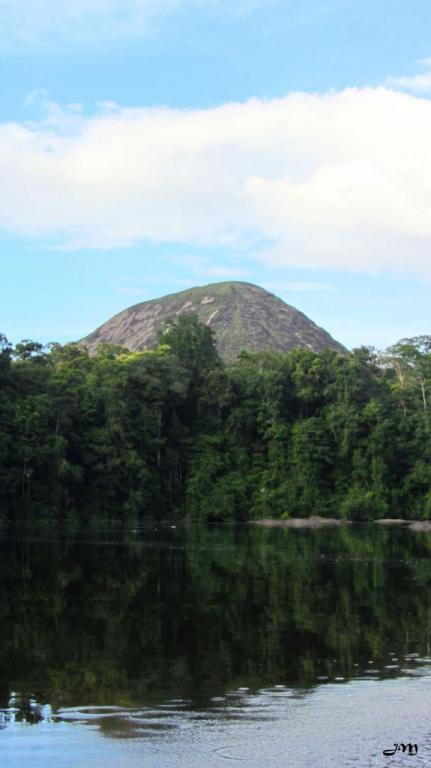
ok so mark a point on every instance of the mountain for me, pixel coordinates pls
(243, 317)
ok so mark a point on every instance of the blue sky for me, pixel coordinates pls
(149, 146)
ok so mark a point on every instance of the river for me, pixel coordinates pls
(188, 646)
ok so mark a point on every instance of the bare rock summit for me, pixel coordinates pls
(243, 317)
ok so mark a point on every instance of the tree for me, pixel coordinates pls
(411, 361)
(192, 342)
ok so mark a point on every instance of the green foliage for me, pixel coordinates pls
(174, 431)
(192, 342)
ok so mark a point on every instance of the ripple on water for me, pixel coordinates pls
(275, 726)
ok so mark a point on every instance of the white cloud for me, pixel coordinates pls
(202, 266)
(420, 83)
(341, 180)
(34, 22)
(226, 272)
(29, 23)
(302, 286)
(128, 290)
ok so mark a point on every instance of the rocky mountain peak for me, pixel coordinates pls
(243, 316)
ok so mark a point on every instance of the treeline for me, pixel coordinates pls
(173, 431)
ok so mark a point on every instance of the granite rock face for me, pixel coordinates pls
(243, 317)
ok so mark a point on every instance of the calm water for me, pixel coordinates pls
(175, 647)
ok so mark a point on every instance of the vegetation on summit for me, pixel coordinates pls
(243, 316)
(174, 430)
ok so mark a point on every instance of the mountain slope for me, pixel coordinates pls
(243, 317)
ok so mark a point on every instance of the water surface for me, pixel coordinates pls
(174, 646)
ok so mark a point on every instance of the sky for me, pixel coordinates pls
(147, 146)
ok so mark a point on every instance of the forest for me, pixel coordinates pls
(173, 432)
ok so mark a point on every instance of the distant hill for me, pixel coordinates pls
(243, 317)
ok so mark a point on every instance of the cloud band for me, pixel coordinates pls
(341, 180)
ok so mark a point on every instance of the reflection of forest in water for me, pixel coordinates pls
(192, 612)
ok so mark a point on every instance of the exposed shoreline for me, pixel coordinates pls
(315, 521)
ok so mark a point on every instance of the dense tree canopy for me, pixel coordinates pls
(173, 430)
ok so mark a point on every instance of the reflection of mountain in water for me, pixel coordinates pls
(195, 613)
